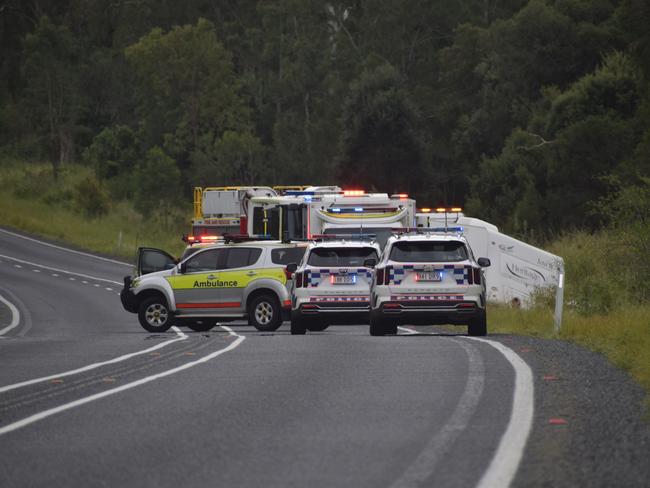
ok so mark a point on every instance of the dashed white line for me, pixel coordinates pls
(84, 282)
(407, 330)
(55, 275)
(17, 266)
(15, 316)
(109, 289)
(71, 278)
(42, 266)
(62, 408)
(36, 270)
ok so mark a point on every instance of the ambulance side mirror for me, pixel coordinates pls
(292, 267)
(370, 263)
(182, 267)
(484, 262)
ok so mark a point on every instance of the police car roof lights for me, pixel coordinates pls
(344, 237)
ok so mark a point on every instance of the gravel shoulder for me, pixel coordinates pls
(590, 423)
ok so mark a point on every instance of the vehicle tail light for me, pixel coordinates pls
(387, 271)
(392, 305)
(288, 274)
(467, 305)
(299, 280)
(470, 275)
(380, 275)
(477, 276)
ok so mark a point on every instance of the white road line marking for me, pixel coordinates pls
(15, 315)
(52, 411)
(109, 289)
(504, 464)
(64, 248)
(434, 451)
(407, 330)
(180, 336)
(55, 275)
(84, 282)
(17, 265)
(36, 270)
(71, 278)
(97, 285)
(58, 270)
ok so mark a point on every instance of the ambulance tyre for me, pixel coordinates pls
(298, 326)
(478, 326)
(153, 314)
(264, 312)
(201, 326)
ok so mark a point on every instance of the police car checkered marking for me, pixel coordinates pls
(461, 272)
(314, 277)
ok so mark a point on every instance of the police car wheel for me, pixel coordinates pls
(318, 326)
(154, 316)
(202, 326)
(478, 326)
(264, 313)
(298, 326)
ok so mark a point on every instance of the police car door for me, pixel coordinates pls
(198, 286)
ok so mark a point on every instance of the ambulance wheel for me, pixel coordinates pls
(478, 326)
(264, 313)
(153, 314)
(201, 326)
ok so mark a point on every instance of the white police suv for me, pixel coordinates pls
(332, 283)
(216, 283)
(427, 278)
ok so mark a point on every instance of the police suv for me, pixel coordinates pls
(332, 284)
(222, 282)
(428, 278)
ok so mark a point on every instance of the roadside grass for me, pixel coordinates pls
(34, 202)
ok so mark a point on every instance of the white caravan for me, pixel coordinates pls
(518, 269)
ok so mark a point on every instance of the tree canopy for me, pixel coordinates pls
(523, 111)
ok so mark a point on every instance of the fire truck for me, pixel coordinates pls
(289, 213)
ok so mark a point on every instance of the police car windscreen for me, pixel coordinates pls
(428, 252)
(340, 256)
(286, 255)
(381, 233)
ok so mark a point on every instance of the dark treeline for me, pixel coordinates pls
(529, 113)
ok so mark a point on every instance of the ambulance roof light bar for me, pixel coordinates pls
(353, 193)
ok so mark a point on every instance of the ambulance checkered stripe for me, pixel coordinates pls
(461, 272)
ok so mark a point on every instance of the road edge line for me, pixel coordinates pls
(15, 316)
(4, 231)
(82, 401)
(505, 463)
(180, 336)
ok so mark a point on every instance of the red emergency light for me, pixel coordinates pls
(353, 193)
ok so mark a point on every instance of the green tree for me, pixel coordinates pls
(188, 93)
(158, 183)
(380, 146)
(53, 101)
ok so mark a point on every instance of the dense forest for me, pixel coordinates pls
(533, 114)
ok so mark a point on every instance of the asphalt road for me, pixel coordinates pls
(88, 398)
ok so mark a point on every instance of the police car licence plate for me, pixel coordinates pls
(344, 280)
(429, 276)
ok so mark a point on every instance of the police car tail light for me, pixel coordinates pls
(299, 280)
(288, 274)
(380, 276)
(477, 276)
(387, 271)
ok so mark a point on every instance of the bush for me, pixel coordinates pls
(90, 198)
